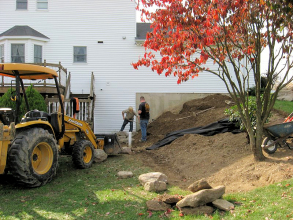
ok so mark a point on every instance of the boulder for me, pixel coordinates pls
(153, 176)
(126, 150)
(125, 174)
(155, 205)
(123, 140)
(201, 197)
(121, 134)
(200, 210)
(199, 185)
(170, 199)
(99, 155)
(223, 204)
(155, 186)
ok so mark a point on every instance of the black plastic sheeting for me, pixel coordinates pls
(218, 127)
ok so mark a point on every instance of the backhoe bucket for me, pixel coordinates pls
(111, 143)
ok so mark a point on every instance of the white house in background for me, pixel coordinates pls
(99, 36)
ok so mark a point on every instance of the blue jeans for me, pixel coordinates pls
(143, 127)
(125, 123)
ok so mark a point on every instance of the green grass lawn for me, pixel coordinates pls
(97, 193)
(285, 106)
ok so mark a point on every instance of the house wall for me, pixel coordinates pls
(117, 84)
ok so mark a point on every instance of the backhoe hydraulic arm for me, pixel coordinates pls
(84, 127)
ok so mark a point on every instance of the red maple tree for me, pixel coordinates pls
(186, 33)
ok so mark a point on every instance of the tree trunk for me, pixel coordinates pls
(255, 144)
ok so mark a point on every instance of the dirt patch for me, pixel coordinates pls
(223, 159)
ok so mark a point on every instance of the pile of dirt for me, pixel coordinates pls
(194, 113)
(223, 159)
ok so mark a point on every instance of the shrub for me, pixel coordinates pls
(234, 114)
(6, 99)
(35, 100)
(263, 84)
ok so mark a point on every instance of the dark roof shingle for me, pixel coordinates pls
(24, 30)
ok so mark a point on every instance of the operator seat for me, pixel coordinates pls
(34, 115)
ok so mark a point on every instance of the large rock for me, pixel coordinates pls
(223, 204)
(151, 177)
(155, 205)
(123, 140)
(170, 199)
(126, 150)
(124, 174)
(121, 134)
(200, 210)
(199, 185)
(155, 186)
(201, 197)
(100, 155)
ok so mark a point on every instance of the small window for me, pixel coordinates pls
(42, 4)
(79, 54)
(2, 53)
(17, 53)
(21, 4)
(38, 54)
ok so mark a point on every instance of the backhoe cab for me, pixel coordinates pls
(29, 148)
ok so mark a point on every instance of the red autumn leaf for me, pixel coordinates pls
(190, 33)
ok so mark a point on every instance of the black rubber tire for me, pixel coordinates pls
(83, 154)
(33, 157)
(272, 149)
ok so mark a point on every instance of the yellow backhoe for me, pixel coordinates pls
(29, 148)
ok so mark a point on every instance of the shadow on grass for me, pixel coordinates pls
(94, 193)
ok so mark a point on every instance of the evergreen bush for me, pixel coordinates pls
(35, 100)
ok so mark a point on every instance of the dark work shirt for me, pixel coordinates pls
(145, 110)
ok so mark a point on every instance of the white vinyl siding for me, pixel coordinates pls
(42, 4)
(17, 53)
(21, 4)
(75, 23)
(79, 55)
(38, 51)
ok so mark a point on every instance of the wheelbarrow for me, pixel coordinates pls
(278, 135)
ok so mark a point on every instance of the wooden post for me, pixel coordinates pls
(67, 87)
(45, 66)
(92, 85)
(59, 73)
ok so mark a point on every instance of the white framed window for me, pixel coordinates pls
(42, 4)
(17, 53)
(79, 55)
(21, 4)
(38, 54)
(1, 53)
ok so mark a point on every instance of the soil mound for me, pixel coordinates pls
(195, 113)
(223, 159)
